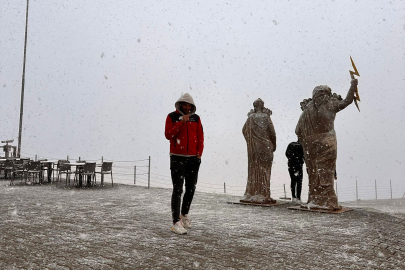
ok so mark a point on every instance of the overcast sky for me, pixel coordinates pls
(101, 77)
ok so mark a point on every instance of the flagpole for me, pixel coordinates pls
(23, 84)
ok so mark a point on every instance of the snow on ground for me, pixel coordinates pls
(395, 207)
(128, 227)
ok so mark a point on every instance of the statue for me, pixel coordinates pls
(315, 130)
(261, 143)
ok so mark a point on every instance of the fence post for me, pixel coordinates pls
(35, 157)
(134, 175)
(79, 159)
(375, 181)
(102, 159)
(391, 189)
(224, 188)
(67, 157)
(149, 174)
(357, 192)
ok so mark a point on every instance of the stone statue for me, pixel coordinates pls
(315, 130)
(260, 138)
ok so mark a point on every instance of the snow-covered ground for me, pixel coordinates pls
(394, 207)
(128, 227)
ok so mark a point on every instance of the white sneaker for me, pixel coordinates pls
(298, 201)
(178, 228)
(293, 200)
(186, 221)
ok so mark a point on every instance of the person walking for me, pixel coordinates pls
(295, 156)
(185, 133)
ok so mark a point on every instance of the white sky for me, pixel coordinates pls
(101, 77)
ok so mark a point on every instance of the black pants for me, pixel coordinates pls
(183, 169)
(296, 181)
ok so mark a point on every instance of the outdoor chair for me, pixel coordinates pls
(20, 168)
(2, 165)
(89, 170)
(9, 170)
(106, 168)
(47, 166)
(78, 171)
(64, 168)
(43, 167)
(58, 167)
(34, 169)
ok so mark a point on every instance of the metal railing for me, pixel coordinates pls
(138, 172)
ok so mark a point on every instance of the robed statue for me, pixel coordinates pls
(316, 132)
(260, 138)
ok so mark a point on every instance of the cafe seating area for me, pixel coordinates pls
(37, 172)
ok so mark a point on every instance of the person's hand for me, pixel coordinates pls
(199, 157)
(354, 82)
(185, 118)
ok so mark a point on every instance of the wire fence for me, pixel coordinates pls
(138, 172)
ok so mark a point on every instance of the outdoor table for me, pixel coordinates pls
(79, 170)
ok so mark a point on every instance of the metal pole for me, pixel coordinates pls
(375, 181)
(391, 188)
(23, 84)
(102, 159)
(134, 175)
(35, 157)
(224, 188)
(357, 192)
(149, 174)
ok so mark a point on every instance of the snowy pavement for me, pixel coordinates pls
(395, 207)
(127, 227)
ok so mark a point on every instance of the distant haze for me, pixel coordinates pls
(101, 77)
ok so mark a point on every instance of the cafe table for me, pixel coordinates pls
(79, 169)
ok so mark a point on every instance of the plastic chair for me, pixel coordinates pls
(61, 168)
(34, 168)
(106, 168)
(89, 170)
(20, 168)
(64, 168)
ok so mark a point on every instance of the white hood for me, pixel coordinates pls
(185, 98)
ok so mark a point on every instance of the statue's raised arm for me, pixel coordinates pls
(349, 97)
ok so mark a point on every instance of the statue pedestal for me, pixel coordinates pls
(259, 204)
(320, 210)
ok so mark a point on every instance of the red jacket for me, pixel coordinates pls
(186, 139)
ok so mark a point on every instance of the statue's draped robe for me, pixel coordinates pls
(320, 152)
(261, 141)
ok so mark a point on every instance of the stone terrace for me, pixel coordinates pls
(127, 227)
